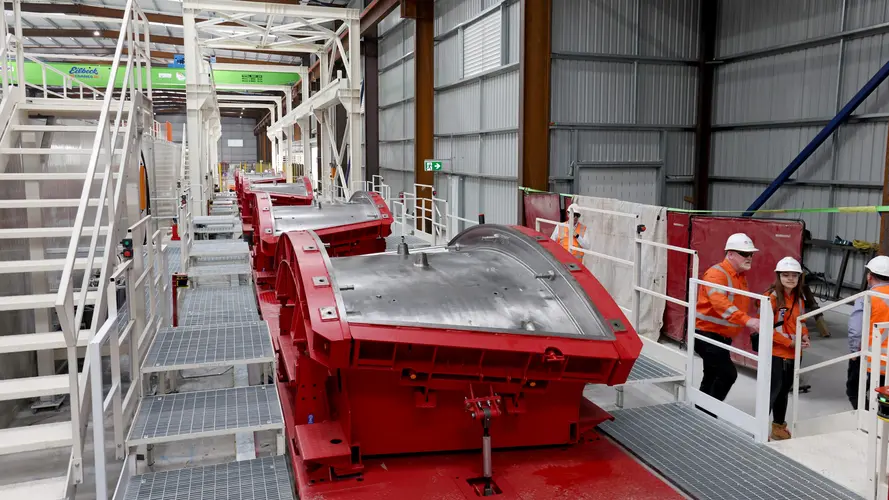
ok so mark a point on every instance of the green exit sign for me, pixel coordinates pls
(432, 165)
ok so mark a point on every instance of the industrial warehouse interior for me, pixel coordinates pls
(444, 249)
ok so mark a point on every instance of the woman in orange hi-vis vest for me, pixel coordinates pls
(878, 281)
(788, 303)
(560, 234)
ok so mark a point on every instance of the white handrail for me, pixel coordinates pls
(758, 424)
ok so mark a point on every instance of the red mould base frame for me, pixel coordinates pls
(353, 239)
(592, 467)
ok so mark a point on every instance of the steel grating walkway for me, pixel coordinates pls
(218, 269)
(193, 415)
(647, 370)
(219, 248)
(205, 346)
(710, 459)
(259, 479)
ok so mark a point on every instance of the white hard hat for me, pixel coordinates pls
(788, 265)
(740, 242)
(879, 265)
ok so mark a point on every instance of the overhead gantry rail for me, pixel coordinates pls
(239, 25)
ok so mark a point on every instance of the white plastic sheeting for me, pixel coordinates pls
(615, 236)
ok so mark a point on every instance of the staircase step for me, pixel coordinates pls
(43, 176)
(267, 478)
(200, 414)
(43, 265)
(43, 489)
(54, 128)
(45, 232)
(27, 342)
(37, 301)
(47, 203)
(206, 346)
(50, 151)
(35, 437)
(33, 387)
(55, 107)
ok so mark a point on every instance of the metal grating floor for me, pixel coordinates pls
(265, 478)
(193, 415)
(218, 269)
(219, 248)
(710, 459)
(218, 305)
(189, 347)
(648, 370)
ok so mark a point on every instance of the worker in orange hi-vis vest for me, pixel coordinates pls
(878, 281)
(560, 234)
(722, 315)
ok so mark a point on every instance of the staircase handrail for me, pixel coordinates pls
(70, 310)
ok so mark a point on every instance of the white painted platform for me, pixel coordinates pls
(838, 456)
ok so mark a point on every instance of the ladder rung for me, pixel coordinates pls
(29, 342)
(43, 265)
(43, 176)
(53, 488)
(33, 387)
(47, 203)
(50, 151)
(35, 437)
(45, 232)
(54, 128)
(38, 301)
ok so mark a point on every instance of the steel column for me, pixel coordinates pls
(819, 139)
(535, 43)
(424, 94)
(371, 107)
(884, 217)
(703, 131)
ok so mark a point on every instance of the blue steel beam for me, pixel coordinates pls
(819, 139)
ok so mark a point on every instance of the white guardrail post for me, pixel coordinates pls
(758, 424)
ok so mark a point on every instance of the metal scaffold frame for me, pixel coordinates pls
(294, 28)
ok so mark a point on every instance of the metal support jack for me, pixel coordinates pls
(484, 408)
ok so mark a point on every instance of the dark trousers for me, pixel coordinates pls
(852, 384)
(719, 369)
(782, 383)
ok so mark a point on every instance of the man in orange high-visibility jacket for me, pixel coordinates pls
(722, 315)
(560, 234)
(878, 281)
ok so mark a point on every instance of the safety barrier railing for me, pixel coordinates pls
(68, 81)
(186, 228)
(112, 195)
(757, 424)
(847, 420)
(143, 277)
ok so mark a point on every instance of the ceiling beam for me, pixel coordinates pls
(114, 34)
(90, 10)
(155, 55)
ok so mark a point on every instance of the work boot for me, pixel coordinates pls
(779, 432)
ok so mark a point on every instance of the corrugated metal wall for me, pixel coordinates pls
(477, 104)
(624, 86)
(768, 106)
(396, 65)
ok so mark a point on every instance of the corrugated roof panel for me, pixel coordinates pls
(500, 101)
(746, 25)
(603, 27)
(500, 155)
(592, 92)
(669, 28)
